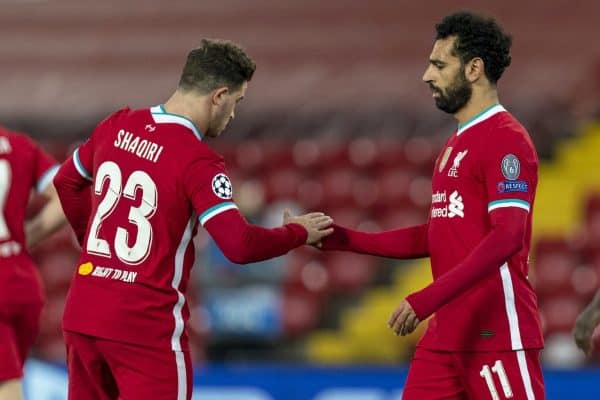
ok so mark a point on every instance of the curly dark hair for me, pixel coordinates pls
(216, 63)
(478, 36)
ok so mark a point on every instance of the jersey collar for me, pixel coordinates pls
(482, 116)
(161, 116)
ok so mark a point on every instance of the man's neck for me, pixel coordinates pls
(478, 103)
(190, 106)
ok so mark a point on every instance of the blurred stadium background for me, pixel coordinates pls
(336, 119)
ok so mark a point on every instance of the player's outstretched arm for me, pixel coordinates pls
(404, 243)
(586, 322)
(505, 238)
(50, 219)
(244, 243)
(317, 225)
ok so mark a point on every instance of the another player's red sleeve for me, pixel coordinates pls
(244, 243)
(72, 184)
(44, 168)
(505, 238)
(399, 243)
(211, 193)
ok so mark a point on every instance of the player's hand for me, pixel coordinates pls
(583, 330)
(317, 224)
(403, 320)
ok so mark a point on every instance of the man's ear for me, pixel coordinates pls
(219, 94)
(474, 70)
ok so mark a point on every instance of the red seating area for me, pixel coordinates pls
(310, 54)
(567, 272)
(372, 175)
(334, 71)
(365, 183)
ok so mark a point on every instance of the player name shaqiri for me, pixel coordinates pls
(142, 148)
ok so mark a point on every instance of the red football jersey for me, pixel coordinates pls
(152, 180)
(23, 167)
(488, 164)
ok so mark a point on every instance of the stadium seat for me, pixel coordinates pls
(349, 272)
(401, 217)
(390, 154)
(585, 281)
(592, 223)
(362, 152)
(337, 185)
(300, 311)
(310, 194)
(307, 153)
(552, 266)
(345, 215)
(420, 153)
(306, 270)
(365, 193)
(393, 186)
(560, 312)
(282, 184)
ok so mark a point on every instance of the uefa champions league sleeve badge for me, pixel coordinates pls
(221, 186)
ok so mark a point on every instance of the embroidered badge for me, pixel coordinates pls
(221, 186)
(453, 171)
(513, 187)
(444, 158)
(511, 167)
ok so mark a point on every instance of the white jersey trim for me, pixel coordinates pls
(46, 179)
(161, 116)
(480, 118)
(525, 374)
(177, 275)
(216, 210)
(79, 166)
(509, 203)
(182, 386)
(511, 309)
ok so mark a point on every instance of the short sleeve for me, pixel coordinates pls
(45, 167)
(209, 188)
(510, 170)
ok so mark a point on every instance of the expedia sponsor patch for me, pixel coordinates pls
(513, 187)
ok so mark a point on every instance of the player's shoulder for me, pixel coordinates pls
(202, 163)
(122, 114)
(16, 140)
(505, 128)
(505, 124)
(110, 121)
(204, 154)
(507, 135)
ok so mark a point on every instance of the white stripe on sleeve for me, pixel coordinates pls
(46, 179)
